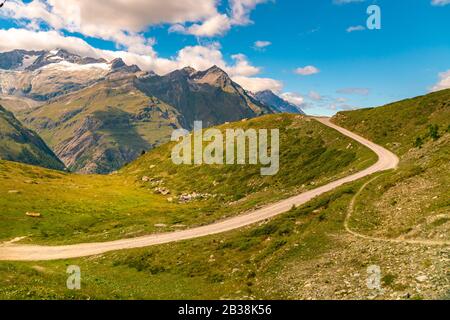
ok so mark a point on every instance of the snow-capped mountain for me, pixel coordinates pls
(97, 115)
(42, 75)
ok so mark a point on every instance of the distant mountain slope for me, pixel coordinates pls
(20, 144)
(42, 75)
(278, 104)
(210, 96)
(100, 128)
(16, 104)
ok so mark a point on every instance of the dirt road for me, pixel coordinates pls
(16, 252)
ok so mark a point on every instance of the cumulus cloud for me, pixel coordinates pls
(255, 84)
(218, 24)
(123, 21)
(307, 71)
(241, 9)
(112, 15)
(444, 81)
(293, 98)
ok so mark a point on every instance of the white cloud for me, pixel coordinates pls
(355, 28)
(307, 71)
(261, 45)
(216, 25)
(259, 84)
(440, 2)
(112, 15)
(444, 82)
(242, 67)
(240, 10)
(293, 98)
(123, 21)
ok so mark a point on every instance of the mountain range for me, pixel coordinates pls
(98, 115)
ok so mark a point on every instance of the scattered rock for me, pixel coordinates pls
(160, 225)
(422, 278)
(33, 214)
(145, 179)
(13, 191)
(185, 197)
(163, 191)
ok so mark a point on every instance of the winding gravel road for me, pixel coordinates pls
(16, 252)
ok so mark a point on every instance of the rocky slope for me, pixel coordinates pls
(278, 104)
(20, 144)
(210, 96)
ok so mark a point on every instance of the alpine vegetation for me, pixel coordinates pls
(237, 146)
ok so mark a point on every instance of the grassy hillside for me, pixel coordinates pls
(20, 144)
(311, 154)
(305, 254)
(413, 202)
(93, 208)
(403, 125)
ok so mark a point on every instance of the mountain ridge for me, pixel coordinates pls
(277, 103)
(99, 115)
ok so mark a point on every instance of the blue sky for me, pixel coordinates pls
(408, 56)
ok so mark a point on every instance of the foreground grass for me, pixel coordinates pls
(77, 208)
(233, 265)
(303, 254)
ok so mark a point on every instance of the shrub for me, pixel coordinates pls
(418, 143)
(434, 132)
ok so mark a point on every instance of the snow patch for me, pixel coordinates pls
(68, 66)
(28, 61)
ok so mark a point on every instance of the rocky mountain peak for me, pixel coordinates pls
(117, 64)
(278, 104)
(214, 76)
